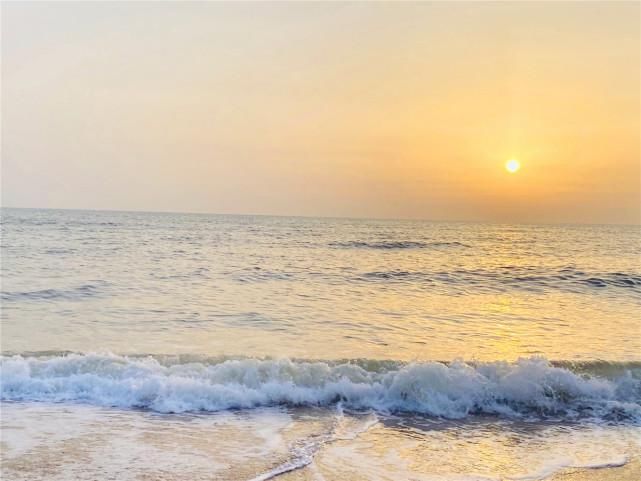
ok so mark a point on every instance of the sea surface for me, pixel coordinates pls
(149, 346)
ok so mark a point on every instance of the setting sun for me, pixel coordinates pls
(512, 166)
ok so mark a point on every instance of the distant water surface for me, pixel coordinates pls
(281, 286)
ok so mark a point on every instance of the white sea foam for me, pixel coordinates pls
(527, 387)
(303, 452)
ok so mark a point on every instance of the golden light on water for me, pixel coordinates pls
(512, 166)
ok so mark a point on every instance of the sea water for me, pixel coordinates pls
(189, 346)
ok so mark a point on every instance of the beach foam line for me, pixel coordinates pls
(304, 452)
(527, 387)
(302, 455)
(555, 466)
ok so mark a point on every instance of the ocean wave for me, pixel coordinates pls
(395, 245)
(528, 387)
(77, 293)
(503, 278)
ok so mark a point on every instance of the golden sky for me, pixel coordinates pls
(405, 110)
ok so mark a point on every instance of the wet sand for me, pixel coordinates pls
(59, 442)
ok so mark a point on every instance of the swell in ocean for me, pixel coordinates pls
(532, 387)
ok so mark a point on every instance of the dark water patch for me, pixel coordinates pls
(405, 276)
(55, 251)
(258, 274)
(82, 292)
(198, 273)
(503, 278)
(62, 223)
(27, 221)
(393, 245)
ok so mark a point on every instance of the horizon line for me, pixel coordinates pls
(406, 219)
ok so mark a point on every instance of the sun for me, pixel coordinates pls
(512, 166)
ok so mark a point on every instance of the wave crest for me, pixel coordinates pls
(527, 387)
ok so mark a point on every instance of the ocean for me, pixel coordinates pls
(148, 346)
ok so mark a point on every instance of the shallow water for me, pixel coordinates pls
(61, 441)
(184, 346)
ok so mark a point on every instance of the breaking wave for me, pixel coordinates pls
(528, 387)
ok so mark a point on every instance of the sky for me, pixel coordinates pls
(401, 110)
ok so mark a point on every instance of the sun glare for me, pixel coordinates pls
(512, 165)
